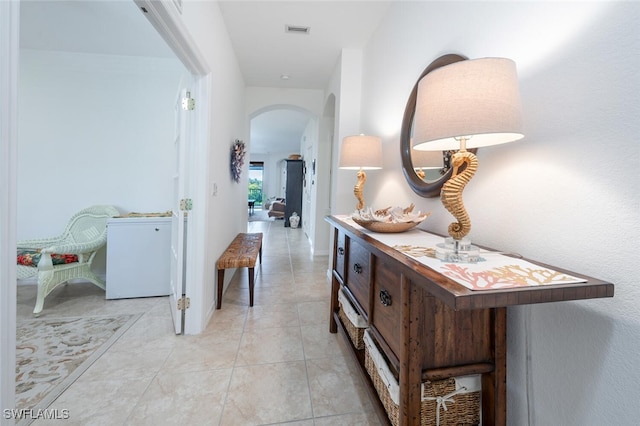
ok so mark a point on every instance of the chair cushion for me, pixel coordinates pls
(32, 257)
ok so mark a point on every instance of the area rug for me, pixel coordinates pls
(52, 353)
(259, 216)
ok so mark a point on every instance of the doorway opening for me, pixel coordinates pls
(256, 177)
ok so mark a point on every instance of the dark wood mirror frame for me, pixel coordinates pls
(419, 186)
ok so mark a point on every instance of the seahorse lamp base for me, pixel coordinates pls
(457, 251)
(458, 248)
(358, 189)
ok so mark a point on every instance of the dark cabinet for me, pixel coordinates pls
(428, 327)
(293, 190)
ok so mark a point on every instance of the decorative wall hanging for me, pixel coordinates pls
(237, 159)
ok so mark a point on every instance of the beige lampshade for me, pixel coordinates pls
(361, 152)
(426, 159)
(476, 98)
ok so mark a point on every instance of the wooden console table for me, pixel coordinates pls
(428, 326)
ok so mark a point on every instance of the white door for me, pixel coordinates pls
(181, 205)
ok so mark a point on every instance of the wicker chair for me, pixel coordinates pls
(84, 235)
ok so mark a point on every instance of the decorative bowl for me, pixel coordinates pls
(385, 227)
(389, 219)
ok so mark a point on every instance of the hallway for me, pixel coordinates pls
(275, 363)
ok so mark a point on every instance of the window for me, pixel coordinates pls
(256, 172)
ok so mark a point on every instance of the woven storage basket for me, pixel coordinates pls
(444, 402)
(353, 322)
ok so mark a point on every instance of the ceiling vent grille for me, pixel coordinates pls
(296, 29)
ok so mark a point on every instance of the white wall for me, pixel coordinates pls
(93, 129)
(566, 194)
(309, 148)
(346, 85)
(226, 211)
(264, 98)
(322, 181)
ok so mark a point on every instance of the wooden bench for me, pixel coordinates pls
(241, 253)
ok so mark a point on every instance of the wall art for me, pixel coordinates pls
(237, 159)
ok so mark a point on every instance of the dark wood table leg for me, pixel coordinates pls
(335, 288)
(220, 286)
(410, 364)
(494, 384)
(251, 284)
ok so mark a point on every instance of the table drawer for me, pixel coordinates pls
(357, 274)
(386, 310)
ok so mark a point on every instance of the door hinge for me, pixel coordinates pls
(188, 103)
(184, 303)
(186, 204)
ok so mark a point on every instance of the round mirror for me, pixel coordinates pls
(425, 171)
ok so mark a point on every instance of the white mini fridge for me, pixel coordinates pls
(138, 257)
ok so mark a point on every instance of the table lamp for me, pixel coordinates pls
(361, 153)
(467, 104)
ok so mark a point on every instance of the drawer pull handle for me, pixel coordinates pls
(385, 298)
(157, 229)
(357, 268)
(341, 251)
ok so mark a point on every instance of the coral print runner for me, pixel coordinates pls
(495, 271)
(502, 272)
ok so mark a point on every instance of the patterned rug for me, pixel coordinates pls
(52, 353)
(259, 215)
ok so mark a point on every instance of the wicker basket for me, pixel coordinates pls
(353, 322)
(444, 402)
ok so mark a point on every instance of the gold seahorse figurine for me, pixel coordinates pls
(357, 190)
(451, 193)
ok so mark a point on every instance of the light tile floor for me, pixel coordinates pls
(275, 363)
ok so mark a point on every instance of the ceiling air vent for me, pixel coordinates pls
(296, 29)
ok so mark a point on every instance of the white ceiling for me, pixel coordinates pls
(265, 51)
(89, 26)
(278, 131)
(257, 31)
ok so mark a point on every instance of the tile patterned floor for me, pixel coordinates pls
(273, 364)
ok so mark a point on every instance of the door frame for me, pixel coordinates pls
(167, 20)
(9, 51)
(180, 194)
